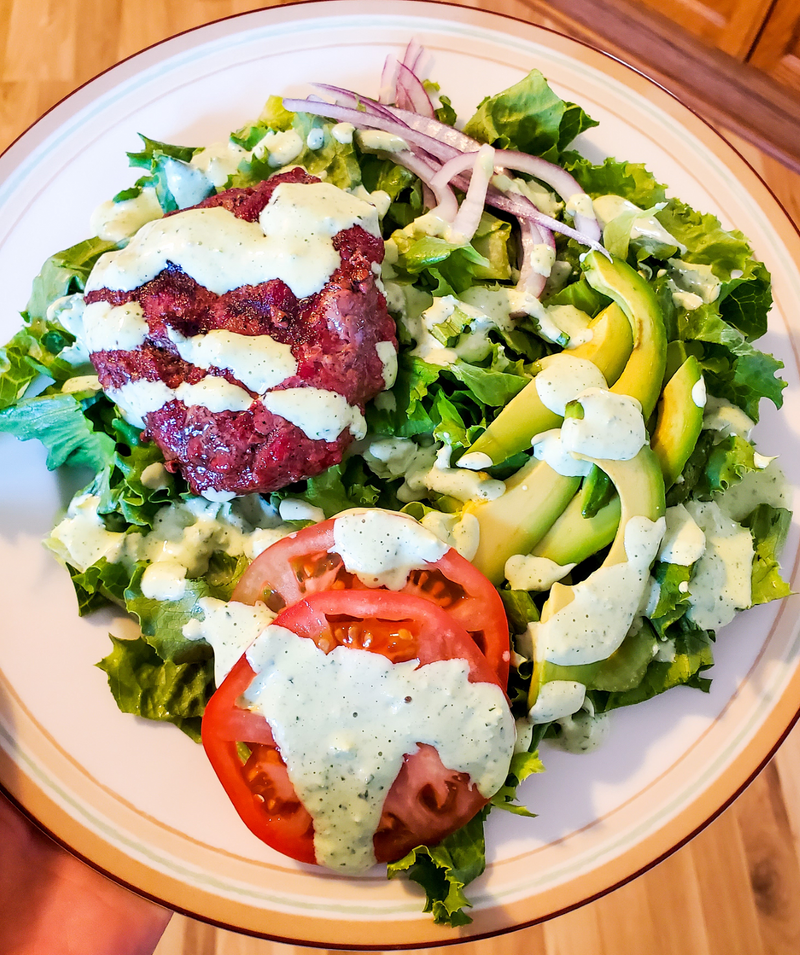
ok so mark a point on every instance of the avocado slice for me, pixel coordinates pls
(640, 489)
(623, 670)
(573, 538)
(515, 521)
(644, 372)
(525, 415)
(680, 419)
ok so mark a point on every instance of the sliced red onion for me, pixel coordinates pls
(454, 166)
(413, 54)
(531, 281)
(388, 80)
(353, 101)
(446, 204)
(549, 173)
(411, 93)
(558, 179)
(436, 129)
(469, 215)
(511, 202)
(442, 136)
(522, 207)
(360, 119)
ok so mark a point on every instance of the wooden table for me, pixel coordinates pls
(735, 889)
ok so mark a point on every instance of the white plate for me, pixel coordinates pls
(138, 800)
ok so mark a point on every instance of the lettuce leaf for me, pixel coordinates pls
(445, 870)
(529, 117)
(406, 414)
(339, 488)
(162, 621)
(333, 161)
(520, 609)
(17, 370)
(64, 273)
(769, 527)
(60, 423)
(690, 656)
(632, 181)
(177, 183)
(145, 685)
(672, 601)
(733, 368)
(522, 766)
(99, 585)
(494, 385)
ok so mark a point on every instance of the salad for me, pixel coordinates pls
(537, 413)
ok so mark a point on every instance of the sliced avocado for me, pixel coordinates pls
(525, 415)
(514, 522)
(573, 537)
(610, 345)
(640, 487)
(623, 670)
(680, 419)
(644, 372)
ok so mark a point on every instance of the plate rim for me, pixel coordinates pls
(791, 236)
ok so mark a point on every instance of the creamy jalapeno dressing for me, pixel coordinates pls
(229, 628)
(767, 485)
(139, 398)
(81, 383)
(583, 731)
(643, 222)
(387, 354)
(462, 484)
(343, 764)
(722, 579)
(684, 540)
(566, 321)
(219, 161)
(726, 418)
(611, 427)
(292, 241)
(320, 414)
(527, 572)
(557, 699)
(549, 447)
(382, 547)
(462, 532)
(597, 619)
(258, 361)
(184, 536)
(116, 221)
(114, 327)
(187, 184)
(563, 378)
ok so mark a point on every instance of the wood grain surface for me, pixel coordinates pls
(735, 889)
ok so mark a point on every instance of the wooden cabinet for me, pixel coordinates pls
(763, 33)
(777, 50)
(730, 25)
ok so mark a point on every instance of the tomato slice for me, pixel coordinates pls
(306, 562)
(427, 800)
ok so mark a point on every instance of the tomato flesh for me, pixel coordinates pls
(306, 562)
(426, 802)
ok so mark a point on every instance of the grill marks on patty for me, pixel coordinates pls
(332, 335)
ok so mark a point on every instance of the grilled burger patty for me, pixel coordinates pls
(338, 338)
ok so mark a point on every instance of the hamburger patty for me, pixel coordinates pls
(333, 336)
